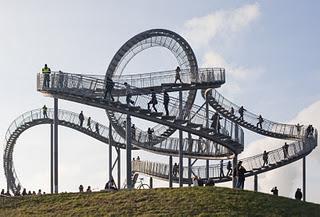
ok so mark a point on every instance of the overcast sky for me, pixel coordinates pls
(270, 50)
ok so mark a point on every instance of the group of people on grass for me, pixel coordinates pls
(23, 193)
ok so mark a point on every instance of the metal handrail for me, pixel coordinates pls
(276, 158)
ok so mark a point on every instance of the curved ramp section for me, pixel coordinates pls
(82, 89)
(36, 117)
(172, 41)
(254, 165)
(250, 120)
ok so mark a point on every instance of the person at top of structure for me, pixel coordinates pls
(133, 131)
(81, 118)
(46, 71)
(108, 89)
(298, 126)
(285, 150)
(150, 132)
(45, 111)
(153, 101)
(111, 185)
(178, 70)
(241, 111)
(166, 100)
(128, 94)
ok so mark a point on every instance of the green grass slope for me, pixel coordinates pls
(196, 201)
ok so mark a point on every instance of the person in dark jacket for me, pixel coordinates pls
(241, 177)
(298, 194)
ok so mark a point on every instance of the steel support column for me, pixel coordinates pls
(207, 169)
(119, 167)
(55, 138)
(255, 182)
(189, 172)
(234, 169)
(51, 159)
(304, 178)
(170, 171)
(128, 149)
(110, 152)
(207, 125)
(180, 143)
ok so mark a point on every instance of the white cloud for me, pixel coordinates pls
(201, 30)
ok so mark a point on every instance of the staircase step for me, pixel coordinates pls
(156, 114)
(168, 117)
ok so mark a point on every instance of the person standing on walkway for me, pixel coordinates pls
(128, 94)
(108, 89)
(89, 123)
(260, 121)
(216, 122)
(166, 100)
(81, 118)
(285, 150)
(133, 132)
(153, 101)
(46, 71)
(265, 158)
(229, 167)
(150, 132)
(97, 128)
(45, 111)
(221, 169)
(178, 70)
(241, 111)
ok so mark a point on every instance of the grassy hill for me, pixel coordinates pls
(196, 201)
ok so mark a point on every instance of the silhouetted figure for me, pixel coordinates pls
(29, 193)
(2, 192)
(89, 189)
(241, 178)
(46, 71)
(210, 182)
(97, 128)
(81, 118)
(298, 126)
(274, 191)
(34, 193)
(310, 130)
(39, 192)
(153, 101)
(89, 123)
(232, 110)
(285, 150)
(260, 121)
(138, 158)
(128, 94)
(133, 131)
(45, 111)
(108, 89)
(229, 167)
(175, 169)
(265, 158)
(216, 122)
(298, 194)
(111, 185)
(81, 188)
(166, 100)
(178, 78)
(150, 132)
(24, 192)
(221, 169)
(241, 111)
(60, 79)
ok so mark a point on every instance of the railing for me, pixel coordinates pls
(275, 157)
(86, 86)
(152, 79)
(267, 125)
